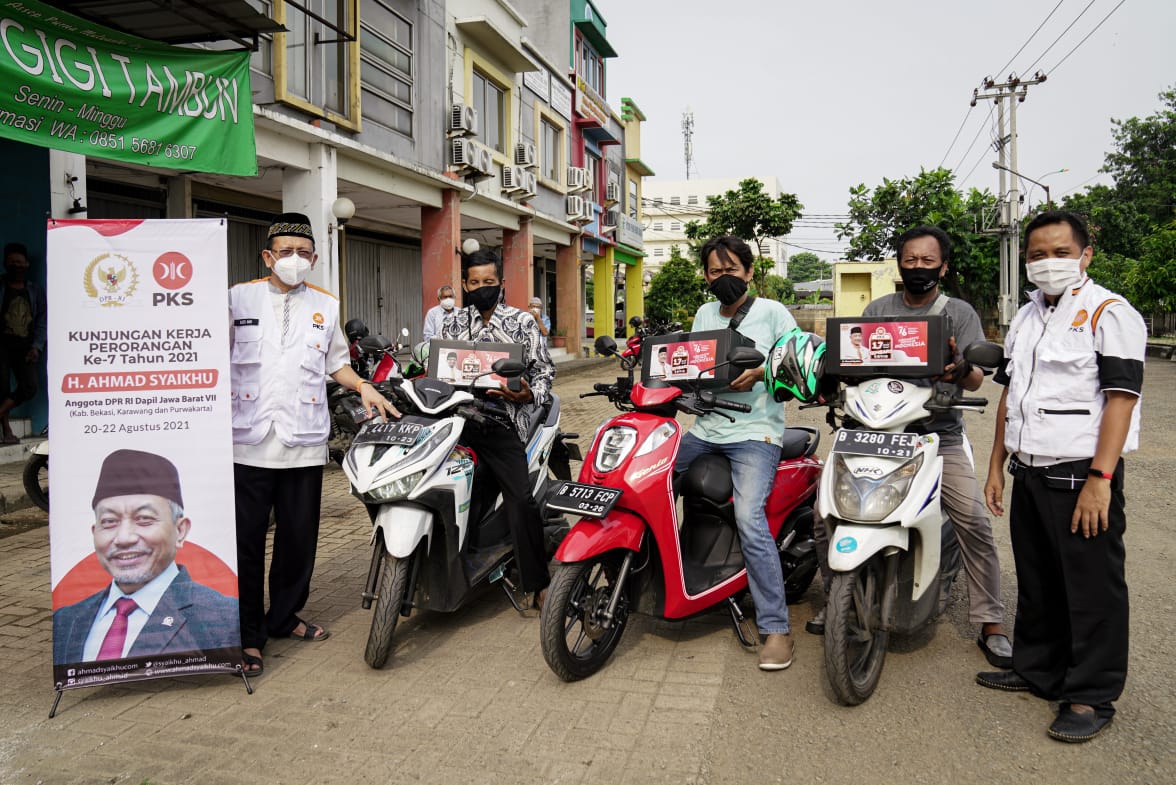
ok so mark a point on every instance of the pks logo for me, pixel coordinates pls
(172, 271)
(1079, 320)
(111, 279)
(318, 321)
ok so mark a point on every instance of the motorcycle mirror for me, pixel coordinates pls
(508, 368)
(985, 354)
(374, 344)
(404, 332)
(745, 357)
(605, 345)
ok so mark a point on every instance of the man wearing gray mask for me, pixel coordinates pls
(436, 315)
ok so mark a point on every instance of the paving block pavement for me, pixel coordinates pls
(466, 696)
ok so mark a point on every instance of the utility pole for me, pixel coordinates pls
(688, 139)
(1014, 91)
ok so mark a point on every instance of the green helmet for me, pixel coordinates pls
(795, 366)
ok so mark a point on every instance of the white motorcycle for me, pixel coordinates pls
(436, 534)
(892, 550)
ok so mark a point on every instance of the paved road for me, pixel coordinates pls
(467, 697)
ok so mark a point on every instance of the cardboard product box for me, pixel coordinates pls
(680, 358)
(900, 346)
(458, 362)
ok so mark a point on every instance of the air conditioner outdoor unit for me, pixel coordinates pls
(589, 214)
(612, 192)
(577, 178)
(574, 207)
(512, 179)
(462, 154)
(530, 186)
(463, 120)
(524, 154)
(608, 221)
(481, 159)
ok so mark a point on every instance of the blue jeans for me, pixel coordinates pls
(753, 468)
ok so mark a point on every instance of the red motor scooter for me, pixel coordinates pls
(631, 552)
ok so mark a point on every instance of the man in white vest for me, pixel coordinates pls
(286, 340)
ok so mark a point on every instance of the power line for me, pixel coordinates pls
(1000, 70)
(987, 121)
(967, 114)
(1080, 43)
(1059, 38)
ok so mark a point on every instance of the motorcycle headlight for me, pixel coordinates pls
(868, 498)
(397, 489)
(615, 445)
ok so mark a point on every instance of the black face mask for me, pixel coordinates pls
(728, 288)
(484, 299)
(920, 280)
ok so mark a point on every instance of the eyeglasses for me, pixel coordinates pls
(286, 253)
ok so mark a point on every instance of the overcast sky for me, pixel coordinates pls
(832, 93)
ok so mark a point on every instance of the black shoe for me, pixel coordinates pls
(816, 625)
(1009, 681)
(1074, 727)
(998, 650)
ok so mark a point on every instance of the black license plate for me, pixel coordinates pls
(397, 432)
(886, 445)
(590, 501)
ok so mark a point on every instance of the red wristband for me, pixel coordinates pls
(1099, 473)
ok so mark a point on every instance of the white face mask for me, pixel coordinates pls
(447, 303)
(292, 270)
(1054, 276)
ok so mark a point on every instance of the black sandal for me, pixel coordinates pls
(253, 665)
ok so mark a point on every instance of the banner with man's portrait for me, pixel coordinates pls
(141, 522)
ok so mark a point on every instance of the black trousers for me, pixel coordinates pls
(1070, 637)
(499, 450)
(295, 496)
(13, 351)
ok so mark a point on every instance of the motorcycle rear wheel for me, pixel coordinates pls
(391, 592)
(36, 480)
(855, 644)
(574, 642)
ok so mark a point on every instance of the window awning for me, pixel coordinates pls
(177, 21)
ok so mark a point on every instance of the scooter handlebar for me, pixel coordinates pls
(733, 406)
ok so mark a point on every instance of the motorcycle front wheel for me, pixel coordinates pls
(36, 480)
(391, 593)
(855, 643)
(576, 642)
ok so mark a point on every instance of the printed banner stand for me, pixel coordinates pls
(143, 552)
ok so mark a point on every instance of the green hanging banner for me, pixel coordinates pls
(72, 85)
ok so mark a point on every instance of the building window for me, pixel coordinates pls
(657, 201)
(691, 200)
(489, 100)
(675, 226)
(657, 226)
(633, 199)
(675, 200)
(551, 142)
(592, 163)
(591, 66)
(317, 65)
(386, 67)
(659, 251)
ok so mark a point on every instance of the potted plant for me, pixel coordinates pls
(559, 338)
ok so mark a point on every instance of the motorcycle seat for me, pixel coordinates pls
(548, 413)
(795, 443)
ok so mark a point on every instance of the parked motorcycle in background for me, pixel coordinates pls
(892, 549)
(374, 358)
(630, 550)
(36, 473)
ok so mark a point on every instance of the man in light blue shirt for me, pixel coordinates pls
(752, 442)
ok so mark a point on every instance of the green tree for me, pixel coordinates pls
(748, 213)
(1143, 162)
(776, 288)
(676, 291)
(807, 266)
(1117, 225)
(1152, 281)
(878, 216)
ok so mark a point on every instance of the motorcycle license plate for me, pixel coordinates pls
(590, 501)
(399, 432)
(886, 445)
